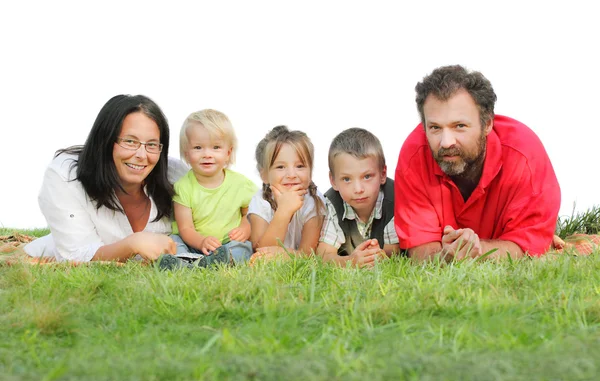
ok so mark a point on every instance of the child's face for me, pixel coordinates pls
(288, 170)
(207, 154)
(358, 181)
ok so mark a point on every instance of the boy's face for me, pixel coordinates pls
(207, 155)
(358, 181)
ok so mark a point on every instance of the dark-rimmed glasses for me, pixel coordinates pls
(134, 145)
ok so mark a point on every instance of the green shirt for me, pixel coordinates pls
(215, 211)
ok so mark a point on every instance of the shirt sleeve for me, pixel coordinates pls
(415, 217)
(63, 203)
(183, 192)
(176, 169)
(249, 190)
(530, 220)
(331, 232)
(260, 207)
(390, 237)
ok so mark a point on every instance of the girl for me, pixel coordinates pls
(288, 209)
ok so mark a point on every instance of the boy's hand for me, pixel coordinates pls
(209, 244)
(461, 243)
(240, 234)
(365, 254)
(289, 201)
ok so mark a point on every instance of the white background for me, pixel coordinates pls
(317, 66)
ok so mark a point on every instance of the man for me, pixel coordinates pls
(468, 181)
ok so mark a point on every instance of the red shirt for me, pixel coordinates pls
(517, 198)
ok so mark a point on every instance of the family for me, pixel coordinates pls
(468, 183)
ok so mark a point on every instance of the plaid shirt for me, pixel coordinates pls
(332, 234)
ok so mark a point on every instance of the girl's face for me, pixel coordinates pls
(288, 170)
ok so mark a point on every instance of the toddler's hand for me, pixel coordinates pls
(209, 244)
(240, 234)
(289, 201)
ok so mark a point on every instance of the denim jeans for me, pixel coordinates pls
(240, 251)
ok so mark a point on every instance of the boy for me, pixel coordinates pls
(359, 225)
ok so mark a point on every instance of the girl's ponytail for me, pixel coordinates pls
(312, 190)
(268, 195)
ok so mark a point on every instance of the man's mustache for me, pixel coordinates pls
(453, 151)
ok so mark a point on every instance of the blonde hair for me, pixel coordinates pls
(359, 143)
(216, 123)
(270, 146)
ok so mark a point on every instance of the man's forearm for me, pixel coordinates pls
(504, 249)
(425, 252)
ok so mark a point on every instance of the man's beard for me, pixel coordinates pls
(467, 162)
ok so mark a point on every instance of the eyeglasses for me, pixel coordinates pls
(134, 145)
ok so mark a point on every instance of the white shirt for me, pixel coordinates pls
(261, 208)
(78, 228)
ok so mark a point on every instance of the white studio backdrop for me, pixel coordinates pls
(317, 66)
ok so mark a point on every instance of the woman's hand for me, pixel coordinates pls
(150, 246)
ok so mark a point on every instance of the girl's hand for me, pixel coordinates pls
(289, 201)
(268, 253)
(150, 246)
(209, 244)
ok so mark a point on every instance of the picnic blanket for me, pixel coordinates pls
(578, 244)
(11, 252)
(11, 249)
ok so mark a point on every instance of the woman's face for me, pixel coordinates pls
(133, 166)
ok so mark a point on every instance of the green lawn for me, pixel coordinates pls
(303, 320)
(528, 320)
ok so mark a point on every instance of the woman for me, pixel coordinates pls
(110, 199)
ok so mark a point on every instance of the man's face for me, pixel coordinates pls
(454, 132)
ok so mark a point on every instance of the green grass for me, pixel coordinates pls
(531, 319)
(587, 222)
(37, 232)
(526, 320)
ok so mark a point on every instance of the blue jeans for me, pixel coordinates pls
(240, 251)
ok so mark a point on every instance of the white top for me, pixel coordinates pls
(261, 208)
(78, 228)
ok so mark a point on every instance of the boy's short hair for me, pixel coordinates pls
(216, 123)
(357, 142)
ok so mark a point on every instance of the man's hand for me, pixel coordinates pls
(461, 243)
(365, 254)
(209, 244)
